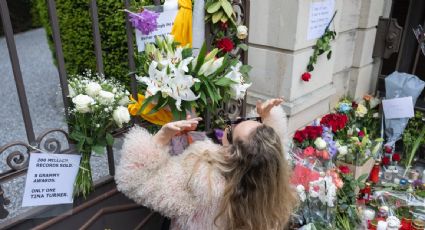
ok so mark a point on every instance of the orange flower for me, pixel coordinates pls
(367, 97)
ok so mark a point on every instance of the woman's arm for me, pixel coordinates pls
(272, 114)
(148, 175)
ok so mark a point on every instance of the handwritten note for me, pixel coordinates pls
(164, 27)
(320, 15)
(398, 108)
(50, 179)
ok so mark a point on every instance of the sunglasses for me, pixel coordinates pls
(229, 124)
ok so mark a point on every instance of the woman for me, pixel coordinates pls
(240, 185)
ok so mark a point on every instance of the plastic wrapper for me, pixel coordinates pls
(401, 203)
(316, 183)
(400, 85)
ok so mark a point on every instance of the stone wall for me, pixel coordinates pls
(279, 52)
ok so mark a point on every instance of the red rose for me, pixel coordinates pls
(388, 149)
(396, 157)
(223, 26)
(386, 161)
(344, 169)
(313, 132)
(361, 133)
(225, 44)
(306, 76)
(334, 121)
(299, 136)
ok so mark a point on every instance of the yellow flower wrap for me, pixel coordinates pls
(161, 117)
(182, 28)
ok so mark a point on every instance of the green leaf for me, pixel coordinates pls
(217, 16)
(362, 177)
(224, 81)
(245, 69)
(214, 7)
(99, 149)
(227, 7)
(161, 103)
(310, 68)
(109, 139)
(210, 92)
(146, 102)
(243, 46)
(204, 98)
(201, 57)
(329, 55)
(187, 53)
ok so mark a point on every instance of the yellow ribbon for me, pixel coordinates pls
(161, 117)
(182, 28)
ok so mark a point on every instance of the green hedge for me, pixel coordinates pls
(77, 37)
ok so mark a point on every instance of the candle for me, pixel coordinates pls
(382, 225)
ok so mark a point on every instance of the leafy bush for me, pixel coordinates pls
(77, 37)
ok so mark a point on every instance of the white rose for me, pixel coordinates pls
(376, 115)
(121, 115)
(92, 89)
(242, 32)
(343, 150)
(374, 102)
(124, 101)
(320, 143)
(106, 97)
(82, 103)
(71, 91)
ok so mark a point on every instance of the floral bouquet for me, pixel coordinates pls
(173, 79)
(229, 35)
(317, 189)
(98, 107)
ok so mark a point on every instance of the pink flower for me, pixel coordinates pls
(309, 151)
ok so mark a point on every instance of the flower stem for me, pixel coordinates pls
(84, 182)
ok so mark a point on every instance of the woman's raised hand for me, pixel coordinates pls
(170, 129)
(263, 109)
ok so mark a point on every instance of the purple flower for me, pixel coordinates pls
(327, 136)
(145, 21)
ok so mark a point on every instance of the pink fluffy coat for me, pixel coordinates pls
(186, 188)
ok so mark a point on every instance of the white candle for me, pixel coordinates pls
(382, 225)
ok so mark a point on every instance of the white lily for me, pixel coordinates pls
(180, 86)
(211, 67)
(183, 66)
(239, 90)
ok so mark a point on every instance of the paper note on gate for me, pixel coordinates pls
(164, 27)
(398, 108)
(50, 179)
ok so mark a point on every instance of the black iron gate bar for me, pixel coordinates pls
(16, 160)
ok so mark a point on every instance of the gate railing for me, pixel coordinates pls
(17, 160)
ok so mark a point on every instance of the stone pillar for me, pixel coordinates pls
(279, 52)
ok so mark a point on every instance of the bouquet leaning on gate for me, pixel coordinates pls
(98, 106)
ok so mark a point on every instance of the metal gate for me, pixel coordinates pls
(398, 46)
(105, 208)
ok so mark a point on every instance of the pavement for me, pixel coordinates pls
(43, 93)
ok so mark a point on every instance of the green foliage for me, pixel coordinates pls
(77, 37)
(322, 46)
(412, 135)
(346, 214)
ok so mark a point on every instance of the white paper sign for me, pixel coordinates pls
(321, 13)
(164, 27)
(50, 179)
(398, 108)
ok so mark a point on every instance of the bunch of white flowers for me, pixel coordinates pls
(104, 99)
(240, 86)
(324, 189)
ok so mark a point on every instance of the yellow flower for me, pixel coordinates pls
(361, 110)
(161, 117)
